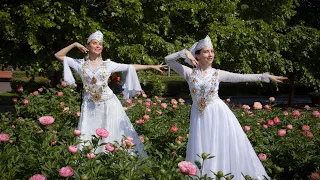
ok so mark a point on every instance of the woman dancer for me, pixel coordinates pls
(214, 129)
(101, 108)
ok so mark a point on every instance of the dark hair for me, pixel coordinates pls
(197, 52)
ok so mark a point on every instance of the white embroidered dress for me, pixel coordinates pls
(100, 107)
(214, 129)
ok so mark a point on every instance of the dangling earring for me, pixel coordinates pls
(87, 57)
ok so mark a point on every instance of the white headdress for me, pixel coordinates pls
(206, 42)
(97, 35)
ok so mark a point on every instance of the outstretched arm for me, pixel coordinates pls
(139, 67)
(226, 76)
(63, 52)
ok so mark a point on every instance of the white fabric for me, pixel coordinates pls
(132, 84)
(107, 111)
(97, 35)
(67, 74)
(206, 42)
(214, 129)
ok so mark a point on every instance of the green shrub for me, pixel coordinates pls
(28, 84)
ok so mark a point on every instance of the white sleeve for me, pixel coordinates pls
(119, 67)
(74, 63)
(225, 76)
(67, 74)
(179, 68)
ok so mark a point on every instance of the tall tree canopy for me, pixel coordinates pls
(249, 36)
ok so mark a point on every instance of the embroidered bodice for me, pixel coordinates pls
(203, 88)
(95, 81)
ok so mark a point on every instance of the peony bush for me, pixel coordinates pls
(40, 140)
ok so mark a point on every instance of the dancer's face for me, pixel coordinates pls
(206, 55)
(95, 46)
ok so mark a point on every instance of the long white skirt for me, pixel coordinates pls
(218, 133)
(109, 115)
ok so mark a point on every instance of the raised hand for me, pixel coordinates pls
(192, 59)
(81, 47)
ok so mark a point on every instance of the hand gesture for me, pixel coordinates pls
(192, 59)
(159, 67)
(81, 47)
(277, 79)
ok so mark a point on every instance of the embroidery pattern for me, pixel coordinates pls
(203, 89)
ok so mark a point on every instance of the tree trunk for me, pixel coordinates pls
(291, 90)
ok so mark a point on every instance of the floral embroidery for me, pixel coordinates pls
(203, 89)
(93, 80)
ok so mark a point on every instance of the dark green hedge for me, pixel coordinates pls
(28, 84)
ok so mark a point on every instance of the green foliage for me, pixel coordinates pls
(34, 148)
(28, 84)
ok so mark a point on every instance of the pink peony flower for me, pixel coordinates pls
(109, 147)
(146, 117)
(154, 104)
(128, 142)
(148, 109)
(122, 92)
(270, 122)
(308, 134)
(20, 89)
(282, 132)
(305, 127)
(245, 107)
(289, 126)
(285, 113)
(140, 121)
(61, 104)
(267, 107)
(35, 93)
(265, 126)
(228, 100)
(73, 149)
(14, 100)
(187, 168)
(66, 109)
(181, 101)
(246, 128)
(40, 89)
(316, 114)
(77, 132)
(46, 120)
(78, 113)
(40, 131)
(174, 129)
(102, 132)
(60, 94)
(139, 101)
(38, 177)
(141, 139)
(90, 155)
(271, 99)
(63, 84)
(147, 104)
(25, 101)
(66, 171)
(257, 105)
(262, 157)
(296, 113)
(174, 102)
(307, 107)
(180, 137)
(174, 106)
(4, 137)
(163, 105)
(315, 176)
(276, 120)
(129, 101)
